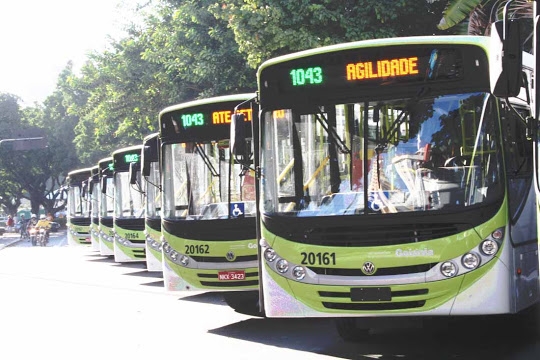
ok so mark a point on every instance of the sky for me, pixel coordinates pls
(39, 37)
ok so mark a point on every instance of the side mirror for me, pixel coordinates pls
(103, 184)
(133, 168)
(238, 135)
(147, 155)
(83, 189)
(506, 61)
(90, 187)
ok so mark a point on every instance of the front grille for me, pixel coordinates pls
(399, 270)
(139, 253)
(373, 306)
(223, 259)
(136, 241)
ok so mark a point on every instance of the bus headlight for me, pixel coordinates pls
(184, 260)
(282, 266)
(166, 247)
(470, 261)
(448, 269)
(270, 254)
(173, 255)
(299, 272)
(489, 247)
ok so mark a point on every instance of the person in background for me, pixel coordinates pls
(10, 224)
(44, 223)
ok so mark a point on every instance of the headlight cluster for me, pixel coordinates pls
(156, 245)
(174, 255)
(122, 241)
(473, 259)
(293, 271)
(106, 237)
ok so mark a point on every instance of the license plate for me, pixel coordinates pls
(371, 294)
(231, 275)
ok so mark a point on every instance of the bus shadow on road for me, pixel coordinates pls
(147, 274)
(215, 298)
(464, 340)
(155, 284)
(100, 258)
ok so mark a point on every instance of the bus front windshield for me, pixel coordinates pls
(128, 199)
(78, 205)
(197, 183)
(382, 157)
(106, 203)
(94, 197)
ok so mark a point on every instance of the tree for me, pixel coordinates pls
(267, 28)
(478, 15)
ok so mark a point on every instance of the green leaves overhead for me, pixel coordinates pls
(457, 11)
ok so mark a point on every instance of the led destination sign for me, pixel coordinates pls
(122, 158)
(203, 122)
(371, 71)
(382, 68)
(215, 118)
(131, 158)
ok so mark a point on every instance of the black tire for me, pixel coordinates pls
(243, 302)
(349, 331)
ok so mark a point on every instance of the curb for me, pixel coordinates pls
(6, 243)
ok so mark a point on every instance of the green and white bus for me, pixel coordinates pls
(129, 239)
(106, 206)
(152, 188)
(394, 183)
(208, 219)
(78, 214)
(94, 195)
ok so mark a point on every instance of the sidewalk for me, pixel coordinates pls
(9, 239)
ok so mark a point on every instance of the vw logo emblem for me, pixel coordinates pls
(230, 256)
(368, 268)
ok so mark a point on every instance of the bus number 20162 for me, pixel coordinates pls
(310, 258)
(197, 249)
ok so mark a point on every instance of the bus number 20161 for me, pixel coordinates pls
(309, 258)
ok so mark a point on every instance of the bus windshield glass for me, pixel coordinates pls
(78, 206)
(153, 194)
(128, 200)
(96, 192)
(106, 205)
(425, 153)
(197, 182)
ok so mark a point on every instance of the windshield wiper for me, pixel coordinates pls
(336, 140)
(206, 160)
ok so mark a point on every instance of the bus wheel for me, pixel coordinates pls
(243, 302)
(349, 331)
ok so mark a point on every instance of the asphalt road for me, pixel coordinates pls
(66, 302)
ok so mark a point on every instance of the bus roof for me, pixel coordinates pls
(79, 172)
(126, 149)
(212, 100)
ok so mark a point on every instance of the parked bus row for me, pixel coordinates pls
(384, 178)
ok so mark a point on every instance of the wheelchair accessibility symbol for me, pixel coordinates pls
(237, 210)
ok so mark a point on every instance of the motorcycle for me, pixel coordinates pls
(32, 234)
(42, 237)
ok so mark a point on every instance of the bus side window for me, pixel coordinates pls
(518, 158)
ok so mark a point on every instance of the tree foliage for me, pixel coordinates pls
(267, 28)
